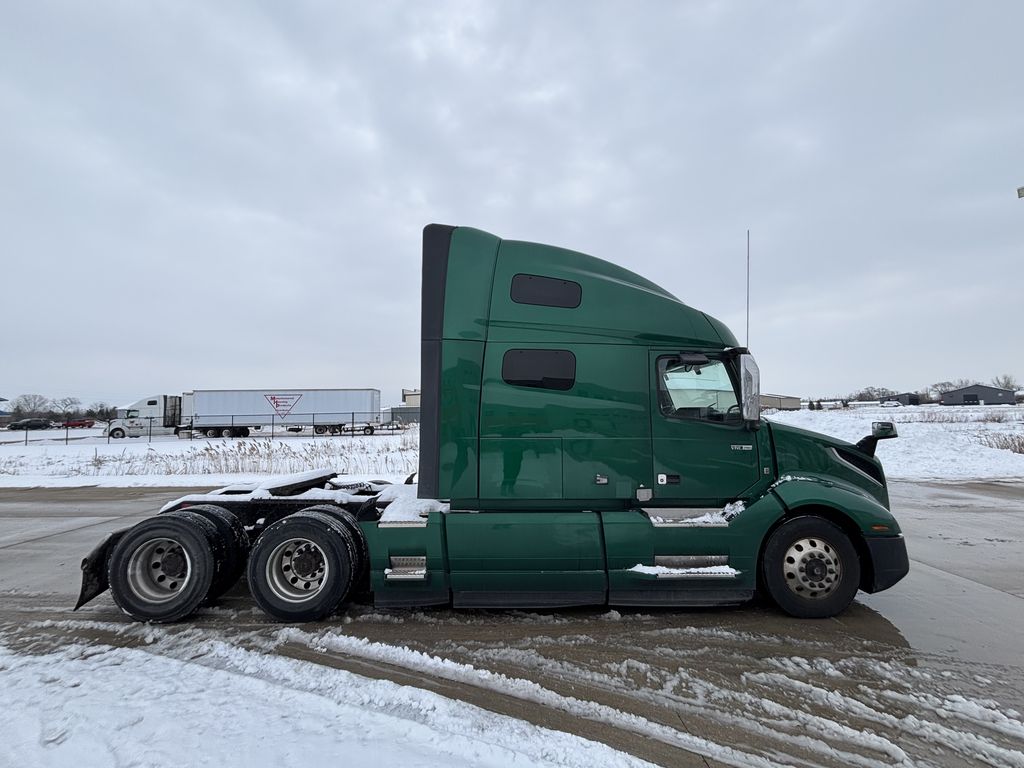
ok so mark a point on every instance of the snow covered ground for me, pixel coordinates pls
(168, 461)
(96, 705)
(935, 443)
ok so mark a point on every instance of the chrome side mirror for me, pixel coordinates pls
(750, 388)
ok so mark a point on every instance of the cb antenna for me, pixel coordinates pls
(747, 344)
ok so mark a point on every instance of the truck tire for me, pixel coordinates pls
(810, 568)
(320, 430)
(117, 433)
(211, 432)
(162, 569)
(234, 546)
(229, 432)
(367, 430)
(301, 567)
(245, 431)
(361, 561)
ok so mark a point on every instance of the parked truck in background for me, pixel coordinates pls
(236, 412)
(586, 439)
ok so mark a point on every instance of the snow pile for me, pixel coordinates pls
(705, 570)
(934, 443)
(101, 706)
(715, 518)
(403, 506)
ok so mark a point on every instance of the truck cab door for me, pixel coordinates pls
(704, 452)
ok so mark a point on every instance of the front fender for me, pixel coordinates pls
(884, 552)
(862, 509)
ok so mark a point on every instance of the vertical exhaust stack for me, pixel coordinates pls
(437, 240)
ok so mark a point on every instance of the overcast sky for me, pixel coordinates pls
(203, 195)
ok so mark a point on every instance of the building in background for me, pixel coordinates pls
(781, 402)
(406, 413)
(906, 398)
(978, 394)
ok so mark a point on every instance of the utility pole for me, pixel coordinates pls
(747, 342)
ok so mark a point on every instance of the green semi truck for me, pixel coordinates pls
(586, 439)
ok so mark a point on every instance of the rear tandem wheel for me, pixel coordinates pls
(163, 568)
(302, 567)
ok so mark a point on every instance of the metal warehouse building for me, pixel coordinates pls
(782, 402)
(978, 394)
(906, 398)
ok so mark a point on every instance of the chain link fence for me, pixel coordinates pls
(213, 426)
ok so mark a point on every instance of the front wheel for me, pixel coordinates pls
(810, 568)
(367, 430)
(117, 434)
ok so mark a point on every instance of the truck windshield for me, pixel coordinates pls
(703, 391)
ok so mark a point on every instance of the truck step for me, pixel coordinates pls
(407, 569)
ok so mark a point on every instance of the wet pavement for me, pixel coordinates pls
(930, 672)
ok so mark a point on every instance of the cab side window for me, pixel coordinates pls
(702, 391)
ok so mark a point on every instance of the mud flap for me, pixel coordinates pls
(94, 568)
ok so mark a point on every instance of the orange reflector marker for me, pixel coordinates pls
(880, 528)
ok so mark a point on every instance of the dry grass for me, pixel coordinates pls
(249, 457)
(956, 416)
(1007, 442)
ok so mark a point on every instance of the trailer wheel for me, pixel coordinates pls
(320, 430)
(245, 431)
(810, 568)
(162, 569)
(235, 547)
(335, 431)
(229, 432)
(117, 433)
(367, 430)
(301, 567)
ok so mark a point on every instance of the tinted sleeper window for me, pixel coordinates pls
(541, 368)
(545, 291)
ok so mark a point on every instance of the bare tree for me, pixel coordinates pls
(66, 405)
(101, 411)
(873, 393)
(940, 388)
(29, 405)
(1006, 381)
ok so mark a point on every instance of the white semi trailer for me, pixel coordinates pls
(236, 412)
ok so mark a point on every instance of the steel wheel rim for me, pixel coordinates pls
(159, 570)
(297, 570)
(812, 568)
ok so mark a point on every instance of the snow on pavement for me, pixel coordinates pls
(88, 706)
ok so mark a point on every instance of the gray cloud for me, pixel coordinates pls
(202, 195)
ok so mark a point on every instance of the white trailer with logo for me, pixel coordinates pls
(234, 412)
(237, 412)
